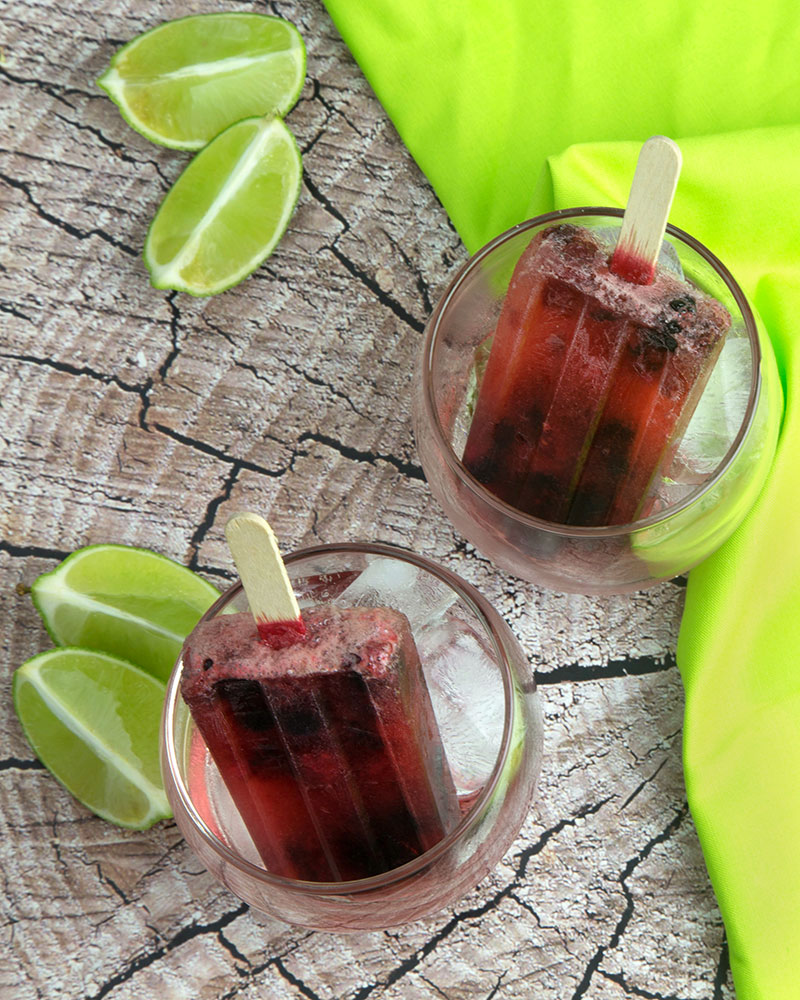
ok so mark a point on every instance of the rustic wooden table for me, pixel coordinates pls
(138, 416)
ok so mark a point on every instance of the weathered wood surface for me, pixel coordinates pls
(145, 417)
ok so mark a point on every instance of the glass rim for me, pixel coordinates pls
(479, 605)
(431, 343)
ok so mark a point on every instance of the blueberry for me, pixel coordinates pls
(247, 703)
(301, 720)
(485, 470)
(684, 303)
(663, 336)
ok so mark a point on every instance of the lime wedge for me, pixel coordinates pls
(125, 601)
(93, 720)
(227, 210)
(182, 83)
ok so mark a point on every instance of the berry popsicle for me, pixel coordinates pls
(597, 363)
(328, 744)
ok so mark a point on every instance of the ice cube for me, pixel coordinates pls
(395, 584)
(718, 417)
(713, 427)
(224, 818)
(466, 689)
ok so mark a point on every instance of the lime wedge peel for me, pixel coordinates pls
(93, 720)
(181, 83)
(227, 211)
(129, 602)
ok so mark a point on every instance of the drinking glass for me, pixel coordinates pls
(488, 715)
(717, 469)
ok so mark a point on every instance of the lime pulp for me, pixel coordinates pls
(181, 83)
(93, 720)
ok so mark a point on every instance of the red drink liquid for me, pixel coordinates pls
(589, 379)
(329, 747)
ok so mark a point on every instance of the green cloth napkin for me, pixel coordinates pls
(512, 107)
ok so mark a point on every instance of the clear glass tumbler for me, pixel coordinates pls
(489, 718)
(716, 472)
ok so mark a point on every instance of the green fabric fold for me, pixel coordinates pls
(482, 91)
(513, 107)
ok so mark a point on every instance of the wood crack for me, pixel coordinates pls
(634, 666)
(209, 449)
(250, 975)
(507, 891)
(211, 513)
(641, 785)
(32, 551)
(321, 383)
(369, 282)
(295, 981)
(234, 952)
(174, 320)
(315, 97)
(67, 227)
(119, 149)
(18, 764)
(11, 309)
(722, 971)
(359, 455)
(616, 935)
(54, 90)
(547, 835)
(320, 198)
(223, 574)
(636, 991)
(68, 369)
(185, 934)
(421, 283)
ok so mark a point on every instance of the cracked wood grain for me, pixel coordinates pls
(133, 415)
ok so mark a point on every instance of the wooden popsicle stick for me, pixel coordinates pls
(265, 580)
(647, 211)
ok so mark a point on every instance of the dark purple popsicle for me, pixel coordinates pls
(329, 746)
